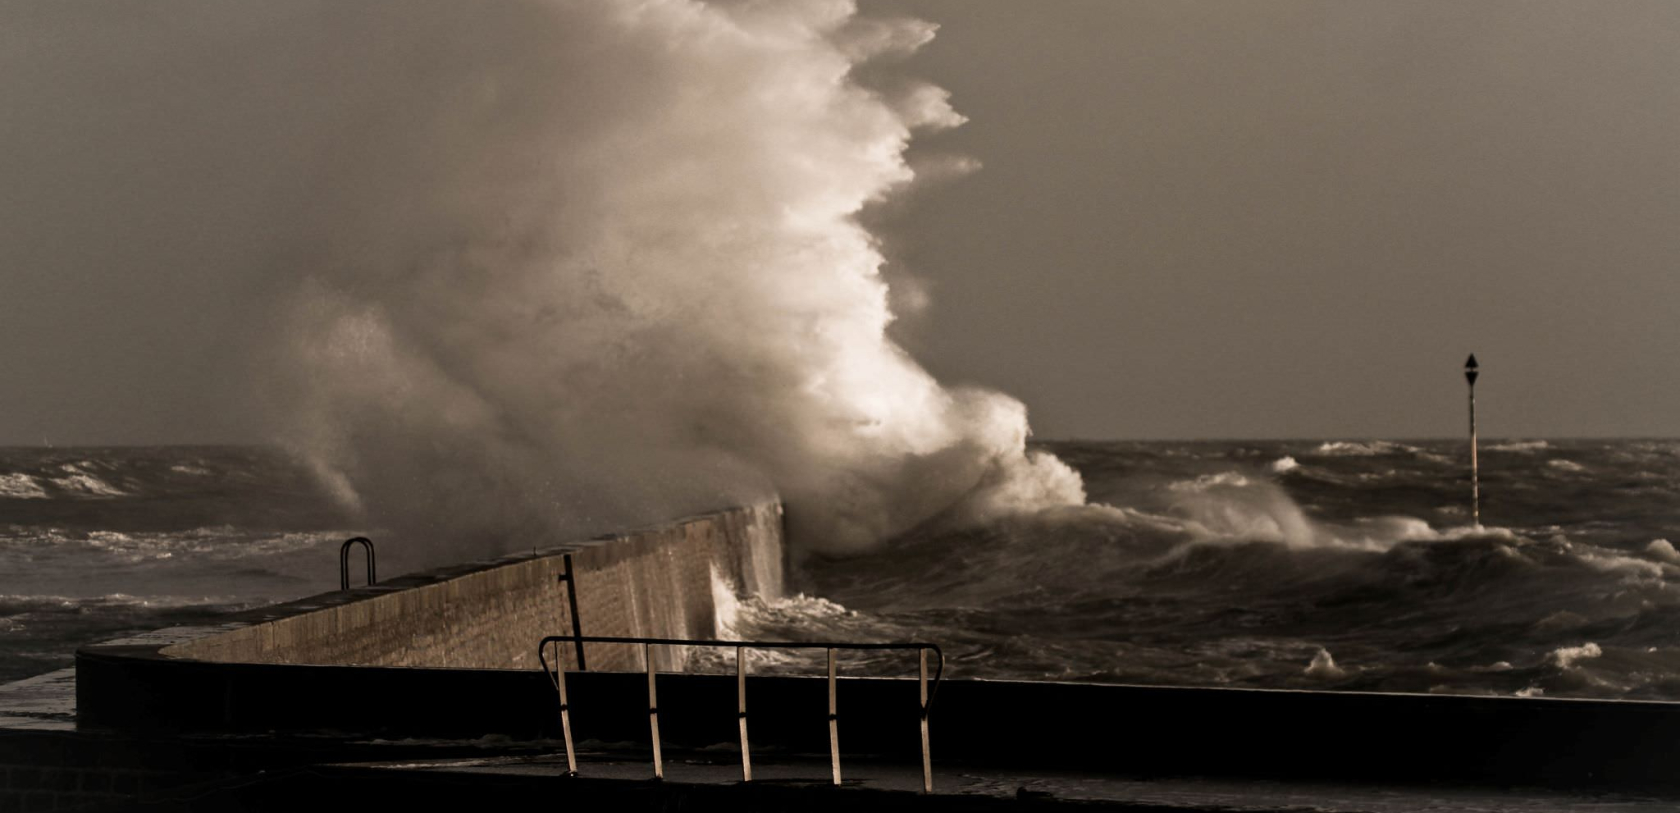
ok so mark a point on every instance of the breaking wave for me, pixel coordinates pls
(1344, 448)
(16, 486)
(610, 267)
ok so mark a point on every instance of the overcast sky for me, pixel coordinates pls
(1223, 219)
(1195, 219)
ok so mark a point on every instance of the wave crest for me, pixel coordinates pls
(571, 327)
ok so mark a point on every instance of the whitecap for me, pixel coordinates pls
(1566, 657)
(19, 486)
(1517, 446)
(1370, 448)
(1224, 479)
(88, 484)
(1324, 666)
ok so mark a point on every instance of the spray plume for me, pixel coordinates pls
(596, 262)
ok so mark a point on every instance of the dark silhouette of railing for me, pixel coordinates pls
(557, 676)
(344, 561)
(569, 578)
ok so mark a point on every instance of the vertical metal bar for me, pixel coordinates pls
(741, 712)
(833, 720)
(927, 756)
(572, 598)
(565, 710)
(653, 713)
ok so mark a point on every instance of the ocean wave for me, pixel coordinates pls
(1565, 465)
(1517, 446)
(1285, 464)
(1369, 448)
(19, 486)
(1229, 506)
(1568, 656)
(1323, 667)
(19, 603)
(1224, 479)
(215, 543)
(87, 485)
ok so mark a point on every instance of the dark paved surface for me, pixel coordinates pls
(47, 704)
(956, 783)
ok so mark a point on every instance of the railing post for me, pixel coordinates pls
(566, 712)
(741, 712)
(653, 713)
(927, 756)
(570, 578)
(833, 720)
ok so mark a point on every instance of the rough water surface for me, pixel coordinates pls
(1308, 564)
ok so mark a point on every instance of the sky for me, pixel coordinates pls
(1191, 220)
(1296, 219)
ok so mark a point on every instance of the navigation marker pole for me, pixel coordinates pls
(1475, 475)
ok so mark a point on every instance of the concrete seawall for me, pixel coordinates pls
(651, 582)
(442, 664)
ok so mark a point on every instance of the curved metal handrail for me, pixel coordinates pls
(557, 676)
(344, 561)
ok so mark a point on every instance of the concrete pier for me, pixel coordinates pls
(438, 668)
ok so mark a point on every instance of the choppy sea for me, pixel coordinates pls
(1347, 565)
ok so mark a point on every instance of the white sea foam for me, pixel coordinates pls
(1285, 464)
(744, 617)
(88, 485)
(609, 267)
(1206, 482)
(1664, 550)
(1517, 446)
(1370, 448)
(1633, 568)
(1566, 465)
(20, 486)
(1324, 667)
(1231, 507)
(26, 601)
(1567, 657)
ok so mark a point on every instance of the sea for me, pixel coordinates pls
(1350, 565)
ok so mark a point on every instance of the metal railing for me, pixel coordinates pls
(557, 676)
(344, 561)
(569, 578)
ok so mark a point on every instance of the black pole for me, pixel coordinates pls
(570, 578)
(1470, 373)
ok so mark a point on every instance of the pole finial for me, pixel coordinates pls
(1470, 370)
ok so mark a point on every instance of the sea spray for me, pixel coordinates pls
(593, 263)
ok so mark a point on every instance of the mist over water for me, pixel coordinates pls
(600, 263)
